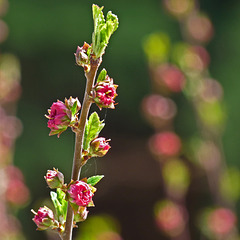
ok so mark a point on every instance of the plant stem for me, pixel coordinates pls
(77, 160)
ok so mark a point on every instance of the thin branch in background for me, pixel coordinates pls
(183, 67)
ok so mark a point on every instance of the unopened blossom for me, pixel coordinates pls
(104, 93)
(80, 193)
(82, 57)
(99, 147)
(44, 218)
(59, 118)
(71, 102)
(81, 214)
(54, 179)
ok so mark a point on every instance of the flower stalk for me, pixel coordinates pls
(71, 200)
(77, 161)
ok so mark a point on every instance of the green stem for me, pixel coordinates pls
(77, 162)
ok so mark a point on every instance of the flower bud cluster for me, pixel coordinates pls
(44, 218)
(104, 92)
(98, 147)
(63, 115)
(78, 194)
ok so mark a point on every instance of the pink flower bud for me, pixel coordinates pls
(59, 118)
(44, 218)
(54, 179)
(70, 103)
(80, 193)
(104, 93)
(82, 58)
(99, 147)
(81, 214)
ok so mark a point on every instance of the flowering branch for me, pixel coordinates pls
(71, 200)
(77, 161)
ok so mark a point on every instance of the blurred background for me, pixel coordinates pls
(44, 35)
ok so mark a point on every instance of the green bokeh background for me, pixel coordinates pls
(44, 35)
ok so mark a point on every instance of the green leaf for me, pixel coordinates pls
(102, 75)
(102, 29)
(94, 179)
(60, 204)
(92, 129)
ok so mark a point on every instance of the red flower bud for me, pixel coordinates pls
(54, 179)
(104, 93)
(99, 147)
(44, 218)
(80, 193)
(59, 118)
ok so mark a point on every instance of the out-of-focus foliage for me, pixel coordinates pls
(99, 227)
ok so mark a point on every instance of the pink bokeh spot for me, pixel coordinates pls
(221, 221)
(165, 143)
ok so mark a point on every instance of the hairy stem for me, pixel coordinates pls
(77, 162)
